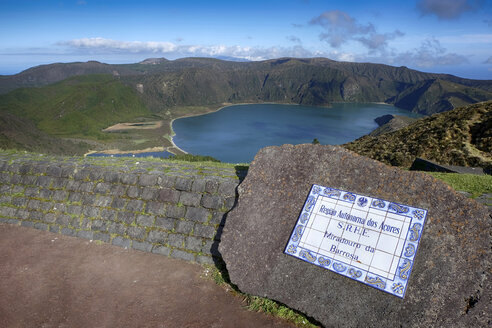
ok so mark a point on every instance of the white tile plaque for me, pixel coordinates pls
(371, 240)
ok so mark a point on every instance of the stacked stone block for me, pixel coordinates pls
(158, 206)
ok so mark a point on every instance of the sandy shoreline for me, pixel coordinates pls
(134, 126)
(365, 102)
(119, 152)
(172, 134)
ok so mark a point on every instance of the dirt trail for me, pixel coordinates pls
(50, 280)
(134, 126)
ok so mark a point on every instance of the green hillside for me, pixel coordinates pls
(167, 85)
(436, 96)
(462, 136)
(48, 74)
(22, 134)
(80, 106)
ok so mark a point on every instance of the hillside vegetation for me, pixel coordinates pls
(437, 95)
(48, 74)
(80, 106)
(164, 84)
(22, 134)
(462, 136)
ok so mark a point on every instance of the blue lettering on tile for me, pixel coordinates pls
(374, 244)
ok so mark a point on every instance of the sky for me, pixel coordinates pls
(440, 36)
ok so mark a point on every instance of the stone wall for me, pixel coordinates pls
(170, 208)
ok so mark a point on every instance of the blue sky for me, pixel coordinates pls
(443, 36)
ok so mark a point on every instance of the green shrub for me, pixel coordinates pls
(193, 158)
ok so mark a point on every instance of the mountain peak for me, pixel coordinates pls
(153, 61)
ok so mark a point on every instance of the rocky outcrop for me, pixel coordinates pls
(459, 137)
(449, 284)
(390, 123)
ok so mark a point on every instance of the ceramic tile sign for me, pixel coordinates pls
(371, 240)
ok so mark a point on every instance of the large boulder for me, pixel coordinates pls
(450, 281)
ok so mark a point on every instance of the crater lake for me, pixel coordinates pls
(235, 133)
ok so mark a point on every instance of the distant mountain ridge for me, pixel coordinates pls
(164, 84)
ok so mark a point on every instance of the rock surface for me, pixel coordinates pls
(389, 123)
(381, 120)
(450, 281)
(422, 164)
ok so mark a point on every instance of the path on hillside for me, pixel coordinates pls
(51, 280)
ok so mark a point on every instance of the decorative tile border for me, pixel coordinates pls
(371, 240)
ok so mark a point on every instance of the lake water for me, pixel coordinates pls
(236, 133)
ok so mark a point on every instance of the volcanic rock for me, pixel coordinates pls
(450, 280)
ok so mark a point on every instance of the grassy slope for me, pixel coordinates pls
(47, 74)
(77, 107)
(474, 184)
(458, 137)
(436, 96)
(22, 134)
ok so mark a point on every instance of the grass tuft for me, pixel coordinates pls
(476, 185)
(265, 305)
(258, 304)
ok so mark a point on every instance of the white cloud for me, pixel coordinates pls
(447, 9)
(343, 56)
(340, 28)
(102, 45)
(376, 41)
(340, 31)
(429, 54)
